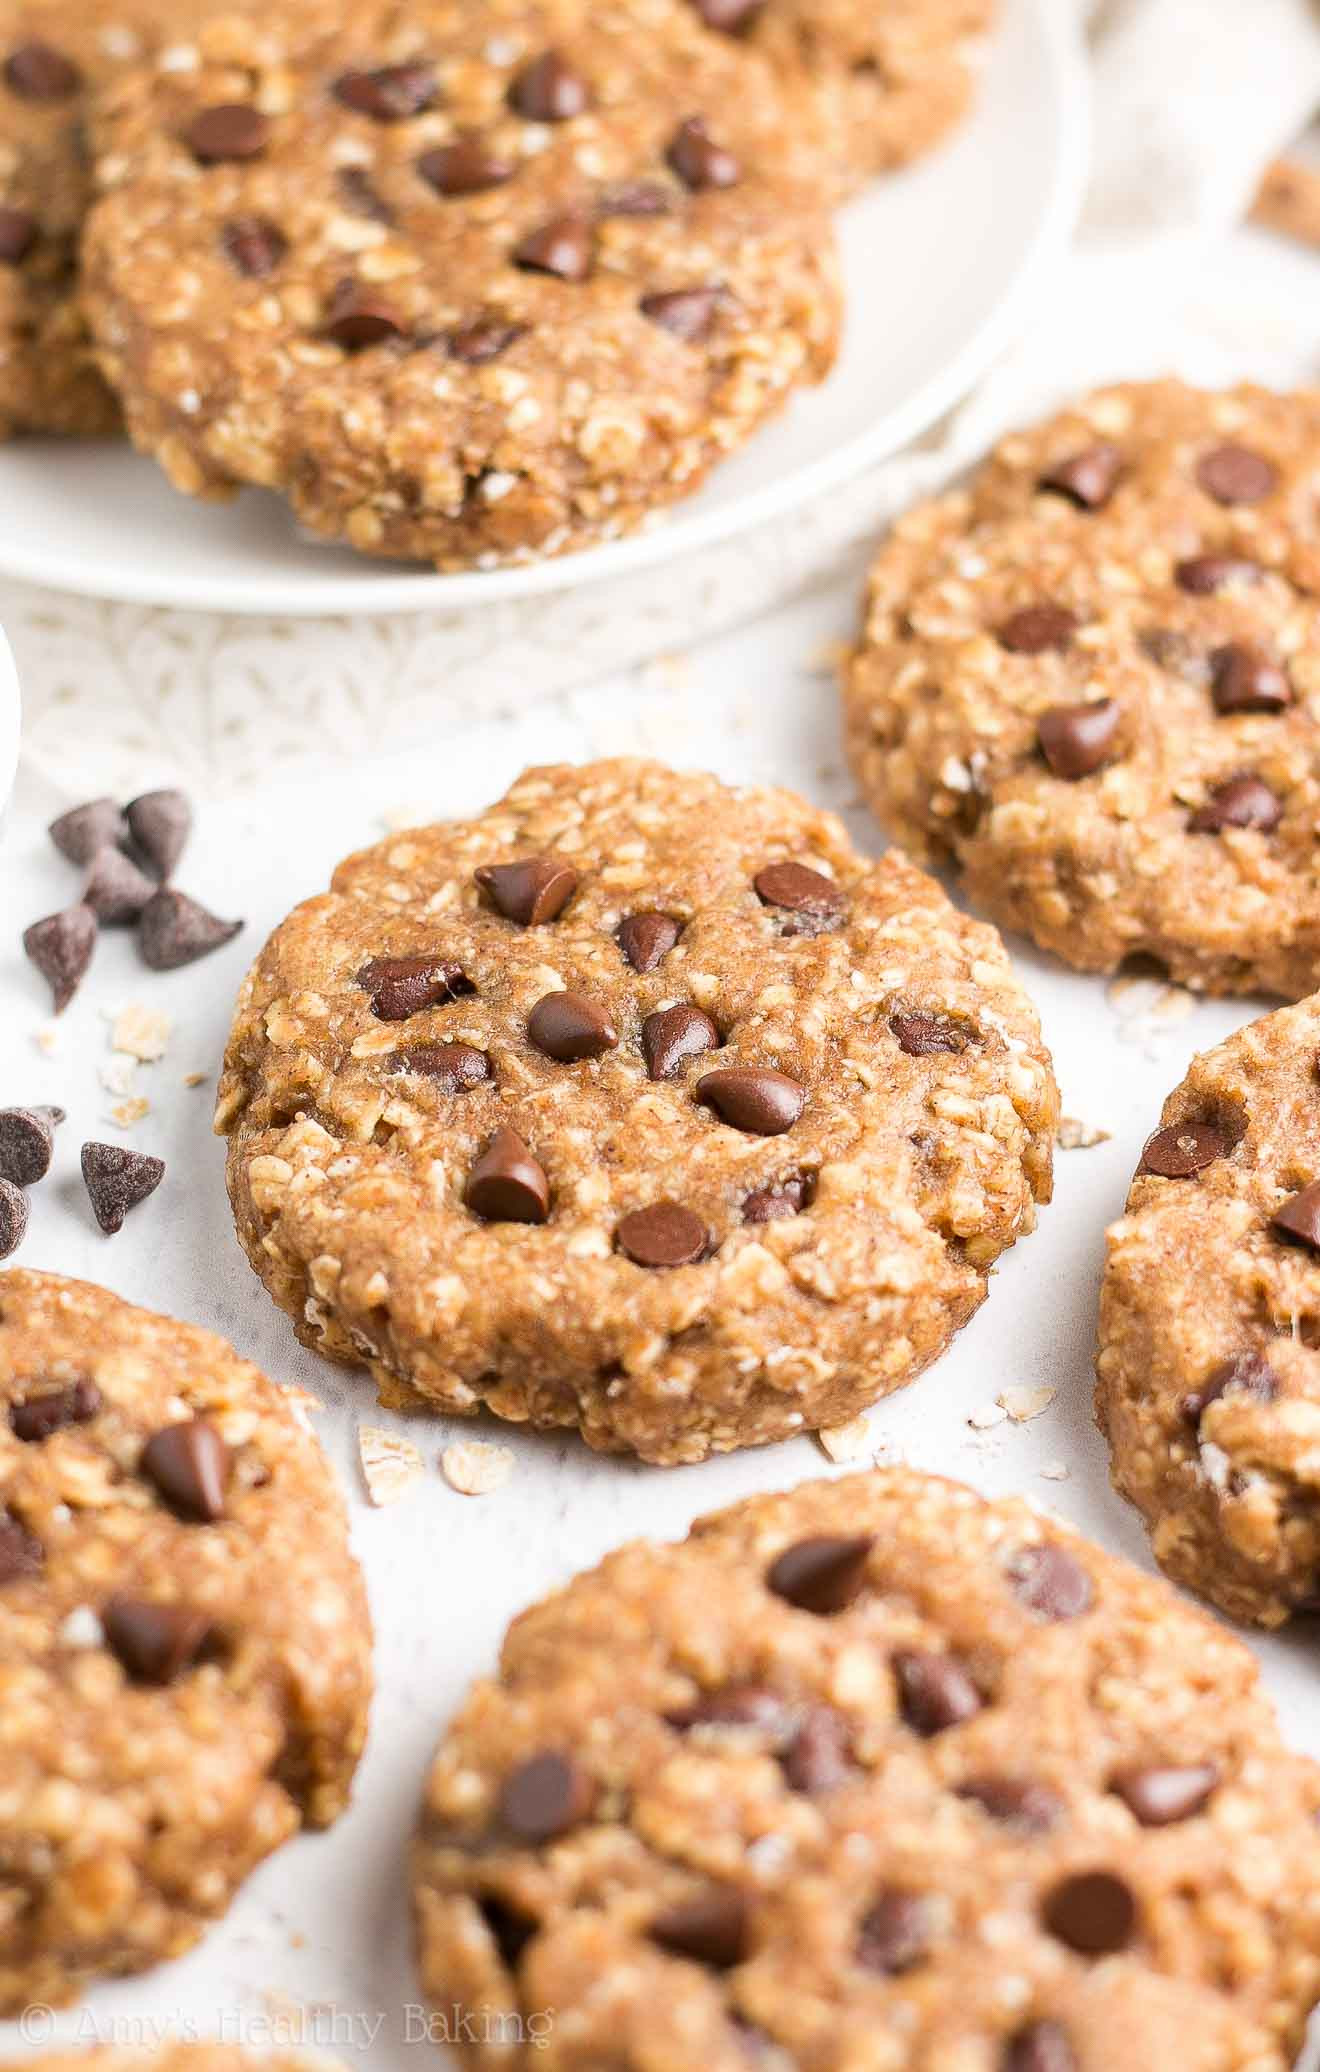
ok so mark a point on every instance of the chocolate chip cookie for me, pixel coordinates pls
(184, 1640)
(1091, 681)
(1209, 1364)
(636, 1103)
(872, 1773)
(465, 284)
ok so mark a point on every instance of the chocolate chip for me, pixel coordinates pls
(358, 193)
(672, 1035)
(1076, 740)
(1093, 1912)
(711, 1929)
(254, 246)
(116, 1180)
(1040, 2047)
(895, 1933)
(662, 1236)
(507, 1185)
(922, 1035)
(750, 1706)
(116, 890)
(174, 930)
(18, 234)
(357, 317)
(698, 160)
(786, 1198)
(404, 986)
(39, 1417)
(1183, 1148)
(1089, 477)
(1299, 1218)
(392, 93)
(814, 901)
(935, 1691)
(27, 1141)
(21, 1552)
(569, 1027)
(455, 1068)
(231, 130)
(154, 1643)
(546, 1796)
(1165, 1792)
(189, 1464)
(1247, 1374)
(819, 1758)
(635, 198)
(13, 1218)
(1246, 679)
(477, 343)
(824, 1574)
(688, 313)
(83, 830)
(510, 1930)
(562, 247)
(1048, 1580)
(647, 939)
(38, 72)
(1203, 574)
(1236, 475)
(728, 16)
(467, 166)
(160, 823)
(61, 947)
(549, 90)
(535, 890)
(1017, 1802)
(1037, 629)
(752, 1098)
(1242, 802)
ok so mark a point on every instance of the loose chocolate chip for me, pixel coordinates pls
(819, 1758)
(1048, 1580)
(1089, 478)
(1247, 1374)
(27, 1141)
(393, 93)
(1037, 629)
(116, 1180)
(922, 1035)
(174, 930)
(562, 247)
(824, 1574)
(545, 1797)
(1183, 1148)
(647, 939)
(13, 1218)
(935, 1692)
(672, 1035)
(454, 1067)
(549, 90)
(662, 1236)
(160, 823)
(1040, 2047)
(535, 890)
(1076, 740)
(18, 234)
(688, 312)
(154, 1643)
(1094, 1912)
(467, 166)
(750, 1706)
(1166, 1792)
(254, 246)
(189, 1464)
(752, 1098)
(814, 901)
(231, 130)
(698, 160)
(728, 16)
(38, 72)
(895, 1933)
(357, 317)
(507, 1185)
(711, 1929)
(61, 948)
(1242, 802)
(476, 344)
(510, 1930)
(1236, 475)
(568, 1027)
(1016, 1802)
(786, 1198)
(403, 986)
(83, 830)
(38, 1418)
(1203, 574)
(635, 198)
(21, 1552)
(116, 890)
(358, 193)
(1246, 679)
(1299, 1218)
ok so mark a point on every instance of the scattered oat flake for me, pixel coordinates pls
(118, 1073)
(987, 1417)
(390, 1466)
(1073, 1135)
(143, 1032)
(474, 1467)
(845, 1441)
(127, 1114)
(1021, 1404)
(1056, 1471)
(195, 1078)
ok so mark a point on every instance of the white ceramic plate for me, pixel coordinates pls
(941, 264)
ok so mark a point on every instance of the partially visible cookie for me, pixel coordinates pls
(185, 1651)
(871, 1774)
(1091, 681)
(636, 1103)
(1209, 1363)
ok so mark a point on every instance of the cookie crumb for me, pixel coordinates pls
(1073, 1135)
(390, 1466)
(474, 1467)
(195, 1078)
(1022, 1404)
(126, 1115)
(47, 1039)
(845, 1441)
(118, 1073)
(141, 1032)
(1056, 1471)
(987, 1417)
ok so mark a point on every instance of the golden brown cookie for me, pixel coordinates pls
(185, 1651)
(636, 1103)
(870, 1774)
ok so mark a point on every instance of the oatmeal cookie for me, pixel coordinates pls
(1209, 1363)
(466, 284)
(636, 1103)
(184, 1640)
(878, 1774)
(1091, 681)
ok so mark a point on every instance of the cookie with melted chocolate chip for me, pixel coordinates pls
(636, 1103)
